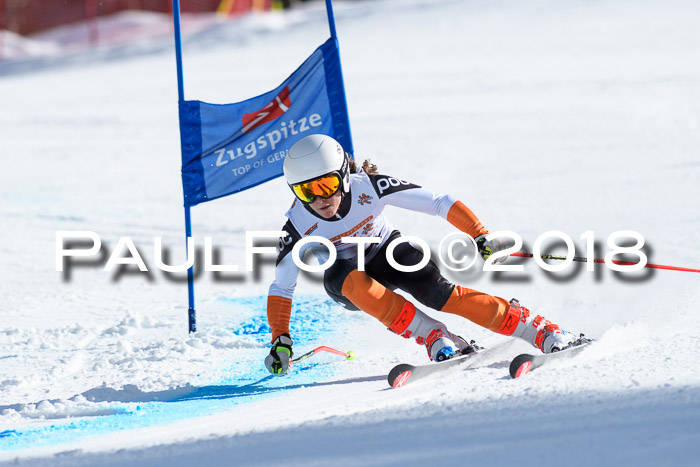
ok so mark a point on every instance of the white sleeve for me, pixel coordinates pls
(286, 274)
(395, 192)
(422, 200)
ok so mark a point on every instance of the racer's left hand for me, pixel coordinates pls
(489, 247)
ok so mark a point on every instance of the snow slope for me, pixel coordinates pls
(540, 115)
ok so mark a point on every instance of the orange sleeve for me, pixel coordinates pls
(465, 220)
(279, 310)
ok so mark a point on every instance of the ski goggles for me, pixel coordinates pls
(325, 187)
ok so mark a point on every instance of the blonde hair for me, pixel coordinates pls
(367, 167)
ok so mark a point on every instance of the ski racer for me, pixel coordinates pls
(335, 199)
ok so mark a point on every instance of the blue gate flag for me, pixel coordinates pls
(232, 147)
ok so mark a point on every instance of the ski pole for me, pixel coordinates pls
(598, 260)
(349, 355)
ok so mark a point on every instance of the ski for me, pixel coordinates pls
(405, 373)
(525, 363)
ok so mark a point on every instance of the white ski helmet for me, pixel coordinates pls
(314, 156)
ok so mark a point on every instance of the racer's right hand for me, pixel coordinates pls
(277, 362)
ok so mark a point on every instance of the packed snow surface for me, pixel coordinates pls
(540, 115)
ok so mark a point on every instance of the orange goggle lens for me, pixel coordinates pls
(325, 187)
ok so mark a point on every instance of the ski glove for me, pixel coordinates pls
(277, 362)
(489, 247)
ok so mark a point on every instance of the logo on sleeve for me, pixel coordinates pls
(286, 244)
(385, 185)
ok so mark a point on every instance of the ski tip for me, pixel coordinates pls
(521, 365)
(351, 355)
(523, 369)
(401, 380)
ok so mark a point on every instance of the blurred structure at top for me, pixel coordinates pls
(37, 18)
(26, 17)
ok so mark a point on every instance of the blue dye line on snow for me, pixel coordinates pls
(312, 319)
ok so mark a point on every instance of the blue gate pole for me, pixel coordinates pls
(331, 18)
(191, 313)
(331, 25)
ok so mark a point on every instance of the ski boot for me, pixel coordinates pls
(541, 333)
(440, 343)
